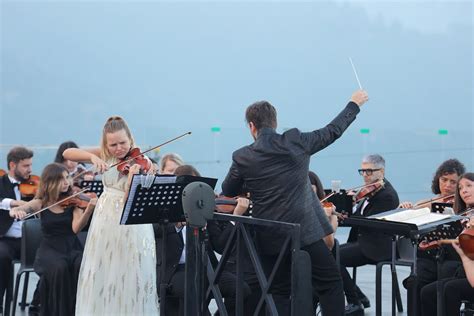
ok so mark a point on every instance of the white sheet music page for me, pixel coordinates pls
(418, 217)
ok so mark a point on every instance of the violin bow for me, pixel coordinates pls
(434, 199)
(352, 189)
(130, 159)
(54, 204)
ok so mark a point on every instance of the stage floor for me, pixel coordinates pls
(365, 280)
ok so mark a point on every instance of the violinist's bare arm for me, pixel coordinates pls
(7, 203)
(20, 212)
(467, 263)
(86, 155)
(81, 217)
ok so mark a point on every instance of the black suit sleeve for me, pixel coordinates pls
(321, 138)
(232, 185)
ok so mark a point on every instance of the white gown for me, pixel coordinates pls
(118, 270)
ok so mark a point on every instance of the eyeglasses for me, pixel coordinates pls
(368, 171)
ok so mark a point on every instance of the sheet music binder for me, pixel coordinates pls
(96, 186)
(158, 202)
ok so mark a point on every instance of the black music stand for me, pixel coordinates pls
(159, 199)
(440, 207)
(95, 186)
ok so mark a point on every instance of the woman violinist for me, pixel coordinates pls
(443, 184)
(460, 286)
(118, 271)
(76, 170)
(59, 256)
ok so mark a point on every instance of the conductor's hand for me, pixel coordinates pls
(99, 165)
(17, 213)
(360, 97)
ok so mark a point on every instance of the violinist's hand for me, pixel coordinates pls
(406, 205)
(242, 206)
(458, 249)
(330, 210)
(360, 97)
(91, 206)
(99, 165)
(180, 224)
(17, 213)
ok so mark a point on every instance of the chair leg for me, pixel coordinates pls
(354, 274)
(15, 296)
(398, 296)
(378, 289)
(25, 291)
(8, 294)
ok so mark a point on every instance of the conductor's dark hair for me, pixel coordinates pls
(448, 167)
(261, 114)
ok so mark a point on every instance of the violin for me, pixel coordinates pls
(340, 216)
(225, 204)
(368, 191)
(466, 242)
(81, 200)
(29, 187)
(2, 172)
(134, 156)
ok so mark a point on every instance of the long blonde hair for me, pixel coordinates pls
(113, 124)
(49, 189)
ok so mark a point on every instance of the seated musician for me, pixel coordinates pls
(443, 185)
(76, 170)
(169, 162)
(175, 259)
(329, 210)
(20, 161)
(365, 246)
(59, 255)
(460, 285)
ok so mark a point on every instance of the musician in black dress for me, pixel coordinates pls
(458, 286)
(427, 266)
(59, 256)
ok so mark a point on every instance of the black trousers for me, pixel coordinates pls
(10, 249)
(325, 278)
(351, 256)
(227, 282)
(427, 272)
(454, 292)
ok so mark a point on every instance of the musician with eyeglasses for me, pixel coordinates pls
(366, 246)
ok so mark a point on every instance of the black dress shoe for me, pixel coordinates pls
(365, 301)
(354, 310)
(33, 310)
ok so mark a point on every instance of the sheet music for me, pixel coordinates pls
(418, 217)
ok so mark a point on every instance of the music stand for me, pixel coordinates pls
(95, 186)
(441, 207)
(158, 199)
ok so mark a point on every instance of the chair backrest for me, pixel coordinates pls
(30, 241)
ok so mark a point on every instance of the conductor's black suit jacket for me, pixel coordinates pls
(375, 244)
(274, 169)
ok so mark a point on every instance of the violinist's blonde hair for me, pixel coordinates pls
(112, 125)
